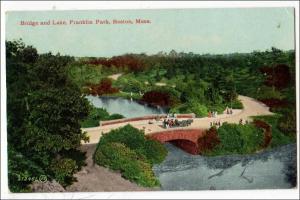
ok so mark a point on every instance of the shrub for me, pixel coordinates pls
(64, 169)
(154, 151)
(157, 98)
(209, 141)
(104, 87)
(115, 116)
(239, 139)
(236, 104)
(132, 166)
(135, 140)
(20, 167)
(278, 137)
(197, 108)
(96, 115)
(267, 131)
(287, 122)
(269, 93)
(126, 149)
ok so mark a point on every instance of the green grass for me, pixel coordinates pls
(278, 137)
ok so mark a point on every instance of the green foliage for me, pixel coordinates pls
(44, 111)
(287, 123)
(135, 140)
(236, 104)
(269, 93)
(126, 149)
(63, 170)
(96, 115)
(133, 166)
(20, 168)
(197, 108)
(129, 83)
(83, 74)
(278, 137)
(238, 139)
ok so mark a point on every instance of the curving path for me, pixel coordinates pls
(252, 107)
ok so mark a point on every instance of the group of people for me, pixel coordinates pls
(228, 111)
(241, 121)
(169, 123)
(212, 114)
(215, 123)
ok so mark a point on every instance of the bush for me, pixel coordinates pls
(126, 149)
(96, 115)
(154, 151)
(132, 166)
(115, 116)
(278, 137)
(287, 123)
(63, 170)
(236, 104)
(197, 108)
(135, 140)
(20, 168)
(103, 87)
(269, 93)
(267, 131)
(209, 141)
(238, 139)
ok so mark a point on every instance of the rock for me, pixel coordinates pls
(53, 186)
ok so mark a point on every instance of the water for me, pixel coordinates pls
(125, 107)
(267, 170)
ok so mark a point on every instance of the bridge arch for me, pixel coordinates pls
(186, 139)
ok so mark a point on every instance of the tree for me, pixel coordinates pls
(44, 114)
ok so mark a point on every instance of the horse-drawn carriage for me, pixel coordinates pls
(172, 123)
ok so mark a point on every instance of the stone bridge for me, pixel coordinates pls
(186, 139)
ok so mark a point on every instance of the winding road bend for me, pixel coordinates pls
(252, 107)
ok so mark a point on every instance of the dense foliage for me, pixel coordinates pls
(44, 109)
(133, 166)
(126, 149)
(187, 82)
(278, 137)
(238, 139)
(104, 87)
(209, 141)
(96, 115)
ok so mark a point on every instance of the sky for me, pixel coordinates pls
(201, 31)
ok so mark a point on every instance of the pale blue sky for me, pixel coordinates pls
(200, 31)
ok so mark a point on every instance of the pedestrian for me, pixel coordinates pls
(241, 121)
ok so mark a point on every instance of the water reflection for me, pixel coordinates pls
(125, 107)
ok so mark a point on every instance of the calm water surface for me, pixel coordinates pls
(125, 107)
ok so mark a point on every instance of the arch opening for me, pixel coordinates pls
(186, 145)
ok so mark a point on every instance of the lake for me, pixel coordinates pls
(270, 169)
(125, 107)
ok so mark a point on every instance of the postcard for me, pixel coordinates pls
(151, 100)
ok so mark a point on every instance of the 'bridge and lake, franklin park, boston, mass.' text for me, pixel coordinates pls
(84, 22)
